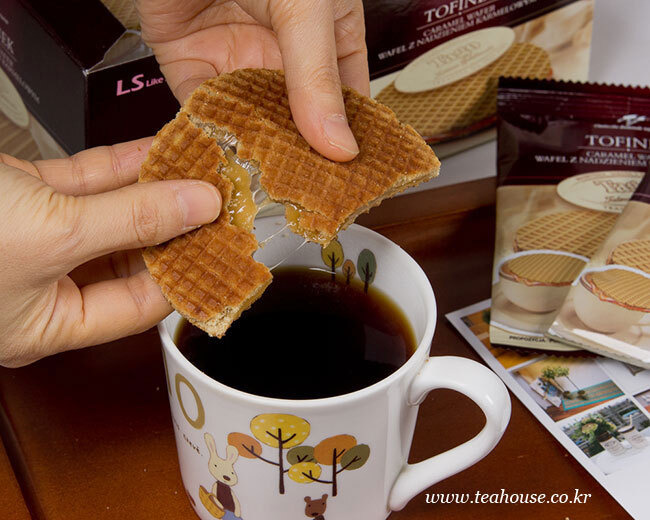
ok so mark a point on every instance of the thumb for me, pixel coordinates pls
(139, 215)
(307, 42)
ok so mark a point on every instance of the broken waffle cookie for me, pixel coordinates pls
(237, 126)
(208, 275)
(250, 108)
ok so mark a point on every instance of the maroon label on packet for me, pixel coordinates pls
(401, 30)
(642, 193)
(551, 130)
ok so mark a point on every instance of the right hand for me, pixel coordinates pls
(319, 44)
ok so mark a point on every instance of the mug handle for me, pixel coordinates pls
(483, 387)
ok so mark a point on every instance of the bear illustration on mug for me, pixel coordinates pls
(316, 507)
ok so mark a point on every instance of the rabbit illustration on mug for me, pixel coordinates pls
(223, 471)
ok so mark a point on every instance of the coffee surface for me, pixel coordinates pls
(310, 336)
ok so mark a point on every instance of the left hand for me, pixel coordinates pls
(72, 274)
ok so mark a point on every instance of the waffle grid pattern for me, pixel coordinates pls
(210, 271)
(625, 287)
(448, 110)
(209, 274)
(546, 268)
(292, 171)
(635, 253)
(579, 232)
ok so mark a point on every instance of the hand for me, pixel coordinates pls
(70, 275)
(321, 43)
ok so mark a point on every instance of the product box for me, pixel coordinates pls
(608, 308)
(75, 77)
(436, 62)
(569, 157)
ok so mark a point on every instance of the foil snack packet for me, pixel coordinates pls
(569, 158)
(607, 310)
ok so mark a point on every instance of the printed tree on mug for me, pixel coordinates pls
(341, 452)
(332, 256)
(367, 267)
(279, 431)
(349, 270)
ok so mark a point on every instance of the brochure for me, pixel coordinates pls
(596, 407)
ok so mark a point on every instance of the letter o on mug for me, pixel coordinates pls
(199, 421)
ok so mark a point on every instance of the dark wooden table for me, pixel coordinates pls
(89, 433)
(12, 505)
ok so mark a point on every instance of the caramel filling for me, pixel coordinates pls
(242, 207)
(293, 214)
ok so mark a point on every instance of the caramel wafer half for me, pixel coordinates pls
(208, 275)
(634, 253)
(625, 288)
(469, 104)
(543, 269)
(579, 232)
(322, 196)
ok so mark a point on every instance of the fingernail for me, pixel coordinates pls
(200, 203)
(338, 133)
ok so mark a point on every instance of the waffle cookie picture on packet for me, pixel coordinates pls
(608, 308)
(469, 104)
(608, 301)
(633, 253)
(627, 289)
(557, 245)
(538, 282)
(560, 193)
(579, 232)
(236, 130)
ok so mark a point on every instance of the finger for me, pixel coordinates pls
(120, 264)
(95, 170)
(117, 308)
(352, 51)
(185, 75)
(132, 217)
(307, 42)
(103, 311)
(354, 72)
(188, 62)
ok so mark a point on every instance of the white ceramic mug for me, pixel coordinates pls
(259, 458)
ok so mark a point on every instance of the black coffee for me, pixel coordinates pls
(308, 337)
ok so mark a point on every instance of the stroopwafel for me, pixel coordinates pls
(469, 104)
(635, 253)
(543, 269)
(625, 288)
(208, 274)
(579, 232)
(323, 196)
